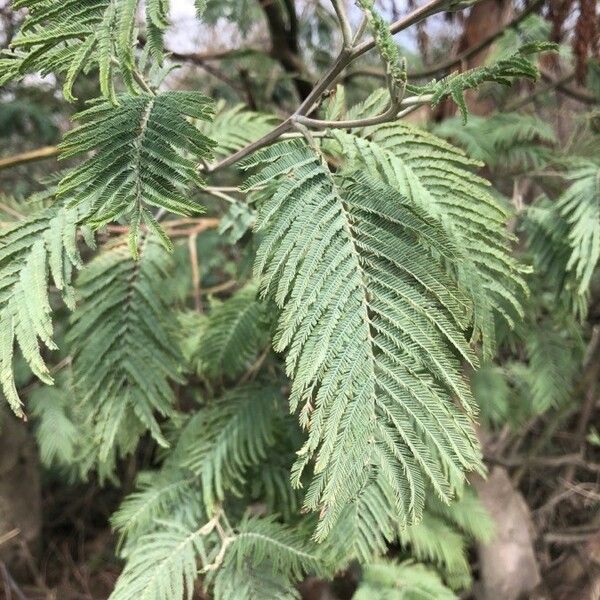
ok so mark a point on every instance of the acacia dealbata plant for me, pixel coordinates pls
(285, 312)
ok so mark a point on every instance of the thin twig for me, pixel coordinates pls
(217, 193)
(142, 83)
(362, 27)
(250, 148)
(33, 569)
(256, 366)
(559, 537)
(212, 55)
(220, 287)
(9, 535)
(10, 583)
(569, 460)
(518, 103)
(193, 249)
(575, 93)
(340, 11)
(390, 114)
(175, 230)
(344, 58)
(30, 156)
(59, 366)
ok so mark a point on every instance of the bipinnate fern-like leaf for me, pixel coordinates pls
(373, 326)
(553, 352)
(504, 71)
(33, 252)
(371, 523)
(547, 234)
(159, 495)
(164, 563)
(434, 540)
(236, 331)
(56, 434)
(368, 524)
(388, 580)
(512, 142)
(144, 152)
(436, 177)
(72, 36)
(125, 352)
(200, 6)
(580, 207)
(265, 560)
(215, 452)
(221, 442)
(261, 558)
(164, 527)
(555, 355)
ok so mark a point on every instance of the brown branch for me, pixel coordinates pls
(203, 61)
(568, 537)
(27, 157)
(574, 92)
(193, 250)
(536, 93)
(482, 45)
(177, 228)
(568, 460)
(394, 111)
(213, 55)
(220, 287)
(344, 58)
(446, 65)
(340, 11)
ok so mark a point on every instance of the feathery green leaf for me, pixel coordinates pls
(144, 150)
(372, 324)
(33, 252)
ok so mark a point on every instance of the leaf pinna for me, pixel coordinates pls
(145, 154)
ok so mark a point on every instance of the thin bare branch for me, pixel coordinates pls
(576, 93)
(416, 16)
(344, 58)
(393, 112)
(27, 157)
(195, 267)
(340, 11)
(446, 65)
